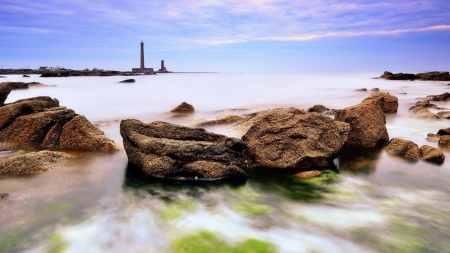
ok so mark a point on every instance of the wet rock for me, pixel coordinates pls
(318, 109)
(433, 137)
(25, 76)
(375, 90)
(128, 81)
(444, 142)
(432, 154)
(442, 97)
(308, 174)
(32, 163)
(443, 115)
(292, 138)
(49, 74)
(16, 85)
(367, 124)
(389, 102)
(435, 76)
(404, 148)
(183, 108)
(221, 120)
(362, 89)
(422, 113)
(426, 104)
(169, 150)
(4, 92)
(444, 131)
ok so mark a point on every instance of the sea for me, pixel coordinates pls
(369, 201)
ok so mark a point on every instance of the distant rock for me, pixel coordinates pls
(31, 163)
(3, 196)
(399, 76)
(388, 101)
(404, 148)
(318, 109)
(167, 150)
(386, 74)
(432, 154)
(375, 90)
(367, 124)
(4, 92)
(362, 89)
(2, 76)
(307, 174)
(293, 139)
(49, 74)
(183, 108)
(434, 76)
(221, 120)
(128, 81)
(25, 76)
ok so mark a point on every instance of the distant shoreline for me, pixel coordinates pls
(68, 73)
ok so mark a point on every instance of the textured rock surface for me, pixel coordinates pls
(291, 138)
(422, 113)
(367, 124)
(31, 163)
(4, 92)
(432, 154)
(443, 115)
(16, 85)
(318, 109)
(444, 141)
(221, 120)
(169, 150)
(308, 174)
(404, 148)
(433, 137)
(183, 108)
(389, 102)
(441, 97)
(444, 131)
(435, 76)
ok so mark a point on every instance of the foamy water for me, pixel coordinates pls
(380, 203)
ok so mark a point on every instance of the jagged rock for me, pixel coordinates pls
(307, 174)
(444, 131)
(367, 124)
(422, 113)
(404, 148)
(362, 89)
(31, 163)
(127, 81)
(292, 138)
(435, 76)
(425, 104)
(433, 137)
(221, 120)
(318, 109)
(389, 102)
(169, 150)
(443, 115)
(183, 108)
(386, 74)
(444, 141)
(4, 92)
(442, 97)
(432, 154)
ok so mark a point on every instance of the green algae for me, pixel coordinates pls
(250, 209)
(56, 244)
(174, 210)
(206, 242)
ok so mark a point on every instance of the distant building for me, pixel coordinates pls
(42, 68)
(142, 69)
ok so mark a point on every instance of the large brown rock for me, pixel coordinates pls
(16, 85)
(183, 108)
(292, 138)
(444, 131)
(367, 124)
(435, 76)
(432, 154)
(4, 92)
(388, 101)
(169, 150)
(404, 148)
(31, 163)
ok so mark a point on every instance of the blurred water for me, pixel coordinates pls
(379, 203)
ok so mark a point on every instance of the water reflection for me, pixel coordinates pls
(359, 160)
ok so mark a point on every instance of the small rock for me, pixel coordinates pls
(444, 142)
(5, 77)
(443, 115)
(25, 76)
(3, 196)
(432, 154)
(183, 108)
(308, 174)
(442, 97)
(318, 109)
(221, 120)
(433, 137)
(404, 148)
(128, 81)
(363, 89)
(375, 90)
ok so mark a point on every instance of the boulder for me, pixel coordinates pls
(404, 148)
(4, 92)
(307, 174)
(389, 102)
(167, 150)
(183, 108)
(444, 141)
(318, 109)
(444, 131)
(127, 81)
(432, 154)
(221, 120)
(31, 163)
(293, 139)
(367, 124)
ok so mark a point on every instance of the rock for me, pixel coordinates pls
(183, 108)
(3, 196)
(4, 92)
(221, 120)
(318, 109)
(389, 102)
(399, 76)
(433, 137)
(422, 113)
(292, 138)
(169, 150)
(404, 148)
(386, 74)
(432, 154)
(367, 124)
(25, 76)
(444, 131)
(444, 142)
(442, 97)
(425, 104)
(2, 76)
(49, 74)
(362, 89)
(308, 174)
(31, 163)
(128, 81)
(435, 76)
(443, 115)
(16, 85)
(375, 90)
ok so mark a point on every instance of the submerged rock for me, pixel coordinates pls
(183, 108)
(25, 76)
(362, 89)
(292, 138)
(441, 97)
(128, 81)
(367, 124)
(221, 120)
(404, 148)
(388, 101)
(307, 174)
(432, 154)
(375, 90)
(169, 150)
(31, 163)
(443, 115)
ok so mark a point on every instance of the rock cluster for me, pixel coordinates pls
(411, 151)
(428, 76)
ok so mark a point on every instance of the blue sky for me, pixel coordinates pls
(228, 35)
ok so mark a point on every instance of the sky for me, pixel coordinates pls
(280, 36)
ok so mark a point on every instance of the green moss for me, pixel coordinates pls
(207, 242)
(175, 210)
(250, 209)
(11, 241)
(61, 207)
(56, 244)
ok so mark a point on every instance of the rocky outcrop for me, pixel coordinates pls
(183, 108)
(441, 97)
(399, 76)
(128, 81)
(434, 76)
(40, 122)
(220, 120)
(4, 92)
(404, 148)
(16, 85)
(168, 150)
(31, 163)
(367, 124)
(386, 74)
(293, 139)
(431, 154)
(388, 101)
